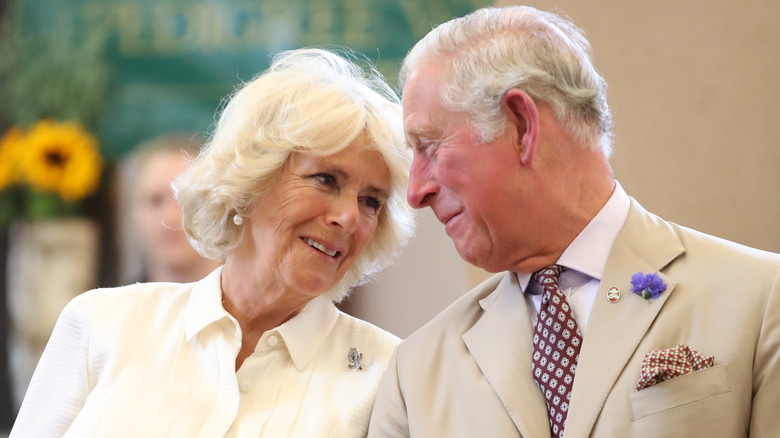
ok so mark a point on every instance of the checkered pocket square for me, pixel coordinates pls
(662, 365)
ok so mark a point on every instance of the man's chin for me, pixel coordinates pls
(469, 254)
(480, 258)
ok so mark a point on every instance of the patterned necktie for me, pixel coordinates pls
(557, 341)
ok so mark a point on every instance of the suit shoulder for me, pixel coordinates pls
(716, 248)
(651, 234)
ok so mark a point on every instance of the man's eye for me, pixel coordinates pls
(428, 148)
(326, 179)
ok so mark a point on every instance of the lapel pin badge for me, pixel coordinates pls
(355, 359)
(613, 295)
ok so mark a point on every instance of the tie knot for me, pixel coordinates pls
(549, 276)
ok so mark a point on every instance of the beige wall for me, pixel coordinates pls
(428, 276)
(696, 101)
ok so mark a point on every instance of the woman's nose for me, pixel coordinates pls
(345, 214)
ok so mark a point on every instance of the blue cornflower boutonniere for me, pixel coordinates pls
(647, 286)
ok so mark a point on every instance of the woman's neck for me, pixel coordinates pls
(257, 304)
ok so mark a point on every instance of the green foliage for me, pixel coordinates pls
(63, 76)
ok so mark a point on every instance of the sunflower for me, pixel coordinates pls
(62, 158)
(9, 147)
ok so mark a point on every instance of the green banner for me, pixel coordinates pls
(165, 65)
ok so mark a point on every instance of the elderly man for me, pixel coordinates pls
(607, 321)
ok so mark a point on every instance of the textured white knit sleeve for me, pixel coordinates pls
(60, 383)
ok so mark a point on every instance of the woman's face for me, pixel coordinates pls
(309, 228)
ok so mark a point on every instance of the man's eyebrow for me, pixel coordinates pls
(416, 133)
(422, 131)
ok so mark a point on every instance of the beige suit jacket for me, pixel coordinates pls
(467, 373)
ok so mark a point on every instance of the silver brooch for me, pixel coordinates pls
(355, 358)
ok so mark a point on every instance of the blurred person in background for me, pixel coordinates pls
(154, 246)
(300, 191)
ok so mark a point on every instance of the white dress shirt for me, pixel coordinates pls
(158, 360)
(585, 259)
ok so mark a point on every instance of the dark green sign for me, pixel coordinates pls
(169, 63)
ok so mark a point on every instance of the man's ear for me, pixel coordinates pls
(524, 116)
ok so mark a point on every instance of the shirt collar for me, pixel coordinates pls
(305, 333)
(205, 304)
(588, 252)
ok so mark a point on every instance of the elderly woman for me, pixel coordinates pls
(301, 191)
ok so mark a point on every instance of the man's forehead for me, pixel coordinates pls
(422, 82)
(422, 111)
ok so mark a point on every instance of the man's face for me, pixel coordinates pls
(472, 187)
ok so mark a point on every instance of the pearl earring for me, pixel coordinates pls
(238, 219)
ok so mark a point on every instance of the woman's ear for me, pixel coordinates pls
(523, 114)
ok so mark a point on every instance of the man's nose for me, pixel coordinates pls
(422, 186)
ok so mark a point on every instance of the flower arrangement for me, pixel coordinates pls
(47, 170)
(647, 286)
(49, 161)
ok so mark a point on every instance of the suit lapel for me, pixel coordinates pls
(645, 244)
(500, 343)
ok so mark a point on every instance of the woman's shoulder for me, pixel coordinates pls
(131, 301)
(133, 293)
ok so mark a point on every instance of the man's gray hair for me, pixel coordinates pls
(493, 50)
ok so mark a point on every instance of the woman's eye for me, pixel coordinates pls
(373, 203)
(326, 179)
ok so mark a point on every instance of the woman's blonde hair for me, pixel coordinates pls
(311, 101)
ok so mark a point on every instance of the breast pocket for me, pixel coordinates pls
(679, 391)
